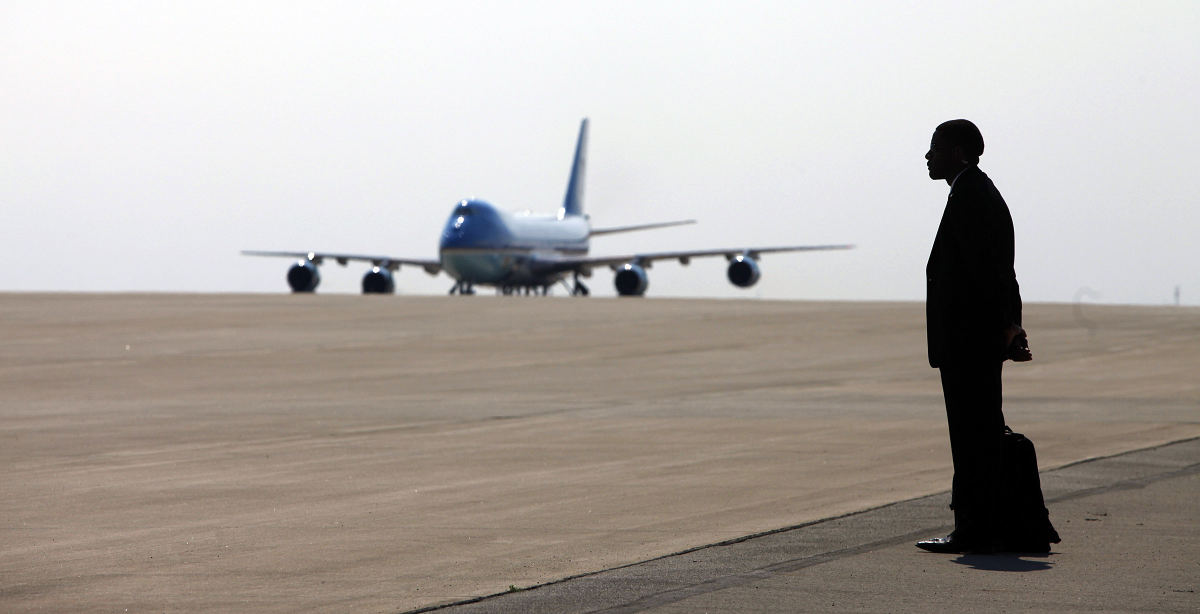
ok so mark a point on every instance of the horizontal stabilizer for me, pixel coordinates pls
(616, 229)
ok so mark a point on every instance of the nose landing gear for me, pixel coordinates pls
(579, 289)
(464, 288)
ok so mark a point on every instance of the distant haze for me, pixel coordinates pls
(144, 144)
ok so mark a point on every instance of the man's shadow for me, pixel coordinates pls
(1004, 562)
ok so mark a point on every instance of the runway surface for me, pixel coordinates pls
(351, 453)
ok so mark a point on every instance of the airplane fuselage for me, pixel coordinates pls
(481, 244)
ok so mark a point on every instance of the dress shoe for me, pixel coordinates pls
(953, 544)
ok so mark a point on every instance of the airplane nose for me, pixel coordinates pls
(474, 227)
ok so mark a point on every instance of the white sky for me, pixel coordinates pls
(144, 144)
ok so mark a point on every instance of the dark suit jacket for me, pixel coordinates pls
(972, 295)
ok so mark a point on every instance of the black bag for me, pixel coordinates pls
(1024, 519)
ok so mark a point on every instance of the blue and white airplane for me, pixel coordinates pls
(484, 246)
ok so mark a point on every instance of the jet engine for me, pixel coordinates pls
(303, 276)
(631, 280)
(743, 271)
(378, 281)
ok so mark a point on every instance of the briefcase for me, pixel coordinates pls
(1024, 519)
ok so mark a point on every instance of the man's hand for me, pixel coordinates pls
(1017, 344)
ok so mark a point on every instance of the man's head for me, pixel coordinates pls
(955, 145)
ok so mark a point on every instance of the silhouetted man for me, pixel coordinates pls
(973, 319)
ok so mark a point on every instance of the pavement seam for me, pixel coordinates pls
(1131, 484)
(761, 573)
(728, 542)
(740, 578)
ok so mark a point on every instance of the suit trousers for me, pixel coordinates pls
(976, 421)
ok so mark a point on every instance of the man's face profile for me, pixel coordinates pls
(943, 159)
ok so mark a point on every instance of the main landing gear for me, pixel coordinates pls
(529, 290)
(466, 288)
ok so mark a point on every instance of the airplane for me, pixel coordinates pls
(514, 252)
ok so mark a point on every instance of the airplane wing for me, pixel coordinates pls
(587, 263)
(388, 262)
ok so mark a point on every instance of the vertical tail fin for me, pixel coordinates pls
(573, 203)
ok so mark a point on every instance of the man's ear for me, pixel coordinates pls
(958, 153)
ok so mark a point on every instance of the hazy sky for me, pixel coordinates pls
(144, 144)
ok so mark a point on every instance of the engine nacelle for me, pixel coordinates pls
(743, 272)
(303, 276)
(631, 280)
(378, 281)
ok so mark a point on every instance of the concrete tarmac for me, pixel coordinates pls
(348, 453)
